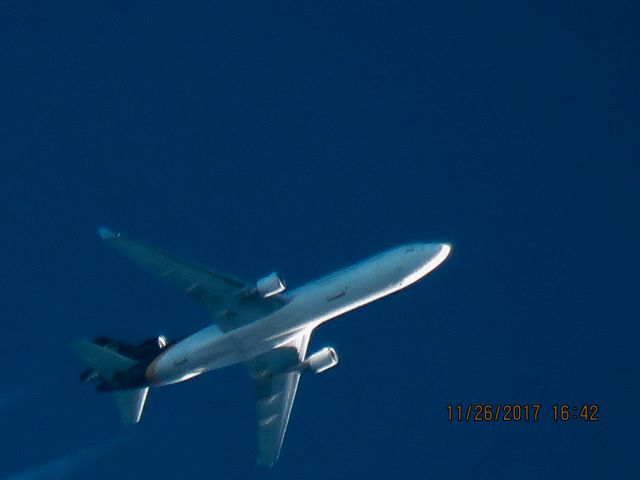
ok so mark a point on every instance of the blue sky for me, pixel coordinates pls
(302, 137)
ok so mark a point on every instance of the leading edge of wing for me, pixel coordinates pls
(275, 393)
(151, 258)
(221, 294)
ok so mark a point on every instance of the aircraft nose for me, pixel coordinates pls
(435, 253)
(446, 249)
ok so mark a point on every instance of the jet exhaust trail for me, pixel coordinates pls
(62, 467)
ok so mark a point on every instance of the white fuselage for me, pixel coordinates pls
(307, 307)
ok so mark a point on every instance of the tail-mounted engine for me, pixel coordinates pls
(140, 353)
(270, 285)
(322, 360)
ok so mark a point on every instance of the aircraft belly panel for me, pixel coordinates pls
(208, 349)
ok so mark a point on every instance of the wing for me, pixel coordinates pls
(224, 296)
(275, 388)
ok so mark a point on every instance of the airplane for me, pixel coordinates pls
(258, 324)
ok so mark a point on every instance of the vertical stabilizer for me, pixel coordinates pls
(131, 404)
(108, 364)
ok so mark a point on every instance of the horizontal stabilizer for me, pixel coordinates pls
(103, 360)
(131, 404)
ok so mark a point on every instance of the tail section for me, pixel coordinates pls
(106, 366)
(131, 404)
(104, 361)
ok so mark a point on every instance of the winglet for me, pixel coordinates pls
(105, 233)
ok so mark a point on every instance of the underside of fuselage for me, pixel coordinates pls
(304, 310)
(251, 323)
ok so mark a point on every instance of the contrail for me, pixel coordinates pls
(62, 467)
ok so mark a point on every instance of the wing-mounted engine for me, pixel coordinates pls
(321, 361)
(270, 285)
